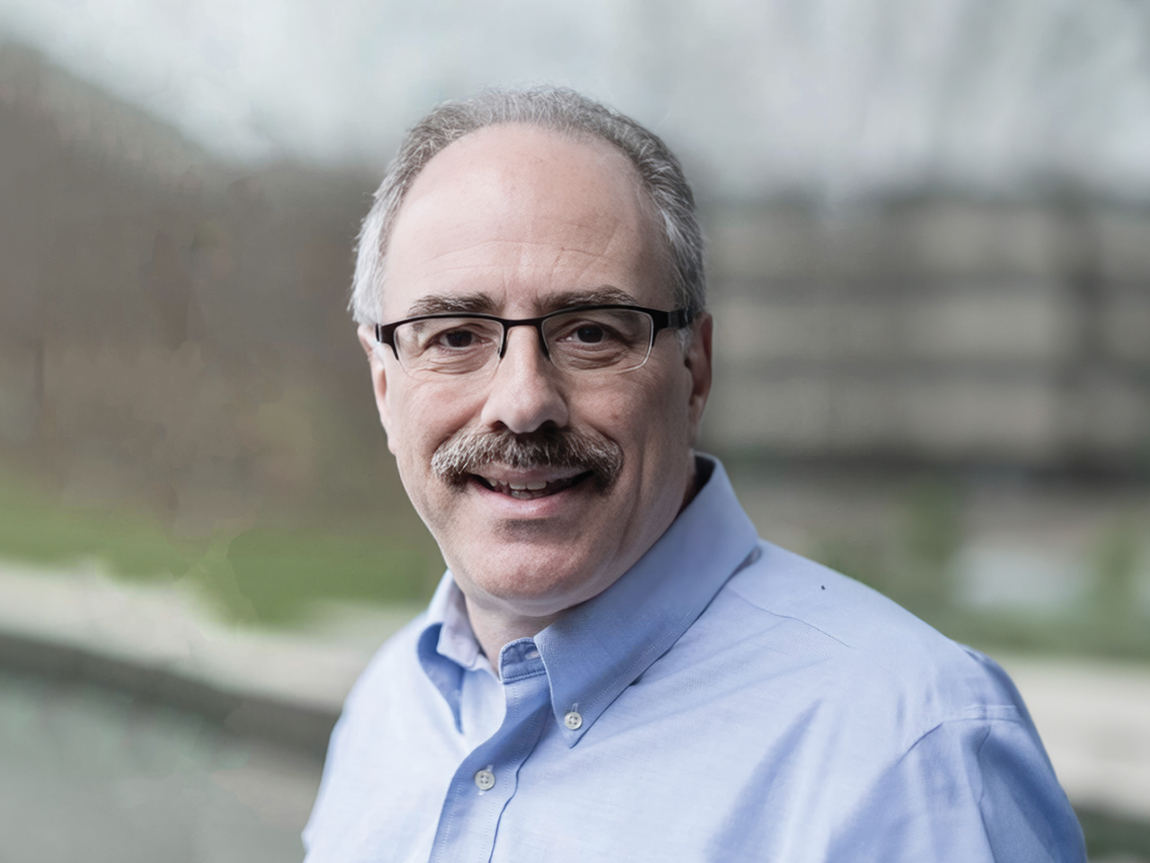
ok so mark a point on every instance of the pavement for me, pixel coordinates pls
(170, 628)
(1094, 718)
(157, 672)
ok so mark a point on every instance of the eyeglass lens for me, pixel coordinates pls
(581, 340)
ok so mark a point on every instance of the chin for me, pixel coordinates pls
(537, 585)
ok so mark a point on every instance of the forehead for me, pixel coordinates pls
(520, 215)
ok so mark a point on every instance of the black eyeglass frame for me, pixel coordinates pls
(675, 319)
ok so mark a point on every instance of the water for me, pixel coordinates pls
(88, 773)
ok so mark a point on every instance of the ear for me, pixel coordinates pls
(698, 362)
(374, 353)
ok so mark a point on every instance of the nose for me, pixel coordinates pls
(525, 392)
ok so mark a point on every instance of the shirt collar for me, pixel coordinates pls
(597, 649)
(447, 646)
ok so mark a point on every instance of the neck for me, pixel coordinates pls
(493, 631)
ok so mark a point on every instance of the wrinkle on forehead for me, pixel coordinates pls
(503, 157)
(525, 206)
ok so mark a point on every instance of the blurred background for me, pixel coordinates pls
(929, 229)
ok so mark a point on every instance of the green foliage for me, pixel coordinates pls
(1109, 835)
(934, 523)
(268, 574)
(276, 571)
(36, 528)
(1115, 568)
(932, 535)
(862, 558)
(911, 558)
(914, 563)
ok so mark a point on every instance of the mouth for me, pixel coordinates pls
(530, 490)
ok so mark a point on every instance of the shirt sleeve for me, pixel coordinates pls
(968, 791)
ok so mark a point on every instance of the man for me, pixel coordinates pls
(615, 667)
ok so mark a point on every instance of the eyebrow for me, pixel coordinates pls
(602, 296)
(482, 303)
(435, 304)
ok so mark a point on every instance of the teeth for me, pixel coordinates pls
(525, 490)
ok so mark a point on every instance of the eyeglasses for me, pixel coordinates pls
(592, 338)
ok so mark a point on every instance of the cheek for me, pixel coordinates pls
(667, 426)
(422, 420)
(648, 419)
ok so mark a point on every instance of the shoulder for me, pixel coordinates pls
(786, 585)
(848, 645)
(923, 747)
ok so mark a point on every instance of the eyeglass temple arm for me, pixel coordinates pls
(385, 335)
(676, 320)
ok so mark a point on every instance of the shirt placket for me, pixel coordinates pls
(486, 779)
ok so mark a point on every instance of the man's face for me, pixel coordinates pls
(517, 222)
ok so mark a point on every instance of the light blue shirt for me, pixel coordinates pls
(725, 700)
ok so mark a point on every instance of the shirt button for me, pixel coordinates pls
(485, 779)
(573, 720)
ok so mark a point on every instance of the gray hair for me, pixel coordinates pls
(557, 109)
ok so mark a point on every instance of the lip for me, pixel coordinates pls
(548, 506)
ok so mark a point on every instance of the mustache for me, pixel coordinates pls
(468, 452)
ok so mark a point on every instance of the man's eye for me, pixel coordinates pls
(457, 339)
(454, 339)
(590, 334)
